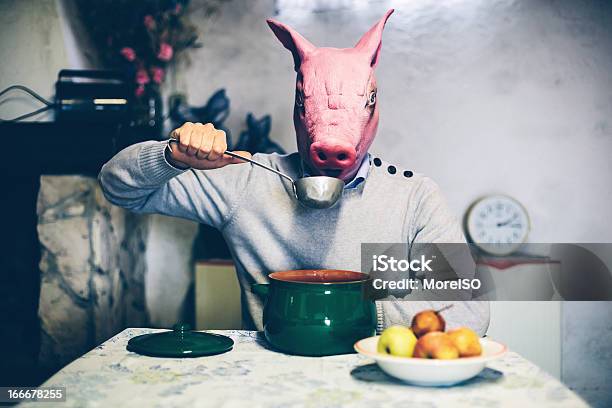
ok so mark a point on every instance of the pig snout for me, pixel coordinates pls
(334, 154)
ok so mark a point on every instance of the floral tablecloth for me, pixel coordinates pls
(252, 375)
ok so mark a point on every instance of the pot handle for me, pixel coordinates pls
(261, 289)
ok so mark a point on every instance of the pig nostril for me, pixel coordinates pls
(322, 156)
(342, 156)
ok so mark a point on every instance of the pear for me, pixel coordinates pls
(436, 345)
(466, 341)
(397, 341)
(428, 321)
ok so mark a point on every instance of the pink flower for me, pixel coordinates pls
(178, 8)
(142, 77)
(149, 22)
(128, 53)
(139, 91)
(165, 52)
(157, 74)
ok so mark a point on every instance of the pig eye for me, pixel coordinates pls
(372, 98)
(299, 99)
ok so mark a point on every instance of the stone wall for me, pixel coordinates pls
(104, 268)
(92, 268)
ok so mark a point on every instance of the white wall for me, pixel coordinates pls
(31, 53)
(170, 269)
(532, 329)
(587, 350)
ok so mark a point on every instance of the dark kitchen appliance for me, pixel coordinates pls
(92, 96)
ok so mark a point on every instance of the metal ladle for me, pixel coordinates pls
(312, 192)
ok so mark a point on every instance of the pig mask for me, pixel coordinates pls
(336, 111)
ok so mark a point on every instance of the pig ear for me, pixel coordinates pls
(372, 40)
(292, 40)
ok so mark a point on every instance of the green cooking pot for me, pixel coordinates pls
(316, 312)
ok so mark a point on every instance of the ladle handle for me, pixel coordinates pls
(258, 164)
(252, 162)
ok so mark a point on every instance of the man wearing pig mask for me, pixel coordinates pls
(336, 117)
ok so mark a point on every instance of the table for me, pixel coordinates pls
(253, 375)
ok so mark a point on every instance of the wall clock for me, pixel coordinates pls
(497, 224)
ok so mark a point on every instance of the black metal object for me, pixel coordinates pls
(92, 96)
(63, 147)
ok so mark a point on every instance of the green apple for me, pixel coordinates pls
(397, 341)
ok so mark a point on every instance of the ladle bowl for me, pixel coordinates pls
(318, 191)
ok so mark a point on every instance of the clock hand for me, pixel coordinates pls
(502, 224)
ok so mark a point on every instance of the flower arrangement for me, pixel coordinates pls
(142, 37)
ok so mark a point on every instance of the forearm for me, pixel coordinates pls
(134, 174)
(141, 179)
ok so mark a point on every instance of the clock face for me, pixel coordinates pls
(497, 224)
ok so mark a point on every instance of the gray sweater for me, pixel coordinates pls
(267, 230)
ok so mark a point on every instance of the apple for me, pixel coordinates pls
(436, 345)
(427, 321)
(397, 341)
(466, 341)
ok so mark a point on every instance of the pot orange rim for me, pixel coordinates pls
(359, 277)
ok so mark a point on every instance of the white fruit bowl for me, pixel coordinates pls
(432, 373)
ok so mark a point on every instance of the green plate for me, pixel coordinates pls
(180, 342)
